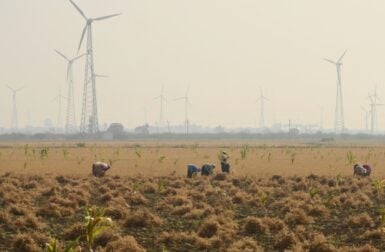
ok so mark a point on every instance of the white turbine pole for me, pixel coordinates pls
(89, 119)
(339, 124)
(14, 124)
(186, 100)
(262, 111)
(373, 111)
(161, 114)
(70, 126)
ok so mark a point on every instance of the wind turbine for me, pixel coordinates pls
(89, 119)
(373, 111)
(186, 104)
(70, 126)
(14, 124)
(339, 125)
(162, 100)
(59, 98)
(262, 112)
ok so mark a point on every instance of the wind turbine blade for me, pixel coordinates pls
(79, 10)
(61, 55)
(105, 17)
(81, 39)
(78, 57)
(10, 88)
(328, 60)
(342, 56)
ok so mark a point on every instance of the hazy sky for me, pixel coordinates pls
(223, 49)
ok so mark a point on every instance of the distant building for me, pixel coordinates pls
(143, 130)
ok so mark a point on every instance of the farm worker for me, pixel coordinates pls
(368, 169)
(99, 168)
(207, 169)
(192, 170)
(224, 157)
(359, 170)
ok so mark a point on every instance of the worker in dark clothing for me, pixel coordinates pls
(207, 169)
(192, 170)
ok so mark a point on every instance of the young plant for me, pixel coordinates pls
(292, 159)
(379, 185)
(338, 179)
(313, 192)
(161, 158)
(269, 157)
(138, 153)
(26, 149)
(161, 185)
(244, 151)
(65, 153)
(95, 224)
(351, 158)
(262, 198)
(43, 153)
(53, 246)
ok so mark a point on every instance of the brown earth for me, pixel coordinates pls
(270, 202)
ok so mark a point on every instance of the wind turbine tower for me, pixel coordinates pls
(339, 125)
(161, 115)
(70, 126)
(14, 124)
(262, 112)
(373, 111)
(89, 120)
(186, 104)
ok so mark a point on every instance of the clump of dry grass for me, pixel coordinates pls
(181, 210)
(25, 243)
(29, 221)
(116, 212)
(125, 243)
(320, 243)
(240, 198)
(74, 231)
(285, 240)
(245, 244)
(142, 218)
(254, 225)
(186, 240)
(373, 234)
(105, 238)
(209, 228)
(136, 199)
(361, 220)
(274, 224)
(298, 216)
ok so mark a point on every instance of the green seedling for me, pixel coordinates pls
(95, 224)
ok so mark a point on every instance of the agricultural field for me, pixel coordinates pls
(279, 196)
